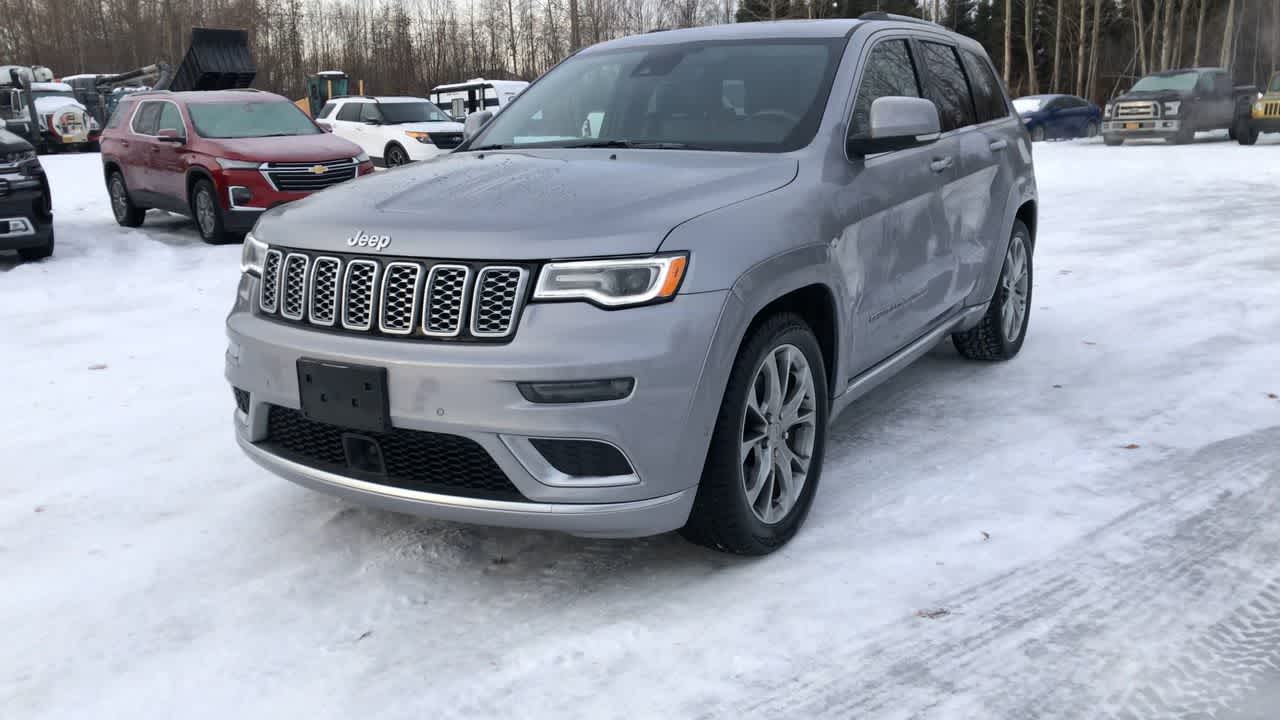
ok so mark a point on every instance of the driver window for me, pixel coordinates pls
(889, 72)
(171, 119)
(369, 113)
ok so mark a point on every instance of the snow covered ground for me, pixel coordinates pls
(1092, 530)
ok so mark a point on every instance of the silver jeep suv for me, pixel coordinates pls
(633, 300)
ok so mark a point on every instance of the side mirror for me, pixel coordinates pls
(475, 123)
(170, 136)
(325, 127)
(898, 123)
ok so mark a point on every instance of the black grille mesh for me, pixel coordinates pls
(415, 460)
(242, 399)
(582, 458)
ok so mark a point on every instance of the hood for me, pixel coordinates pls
(1158, 95)
(46, 105)
(9, 142)
(528, 205)
(446, 126)
(293, 148)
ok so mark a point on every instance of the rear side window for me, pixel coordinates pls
(171, 119)
(146, 119)
(988, 97)
(327, 110)
(123, 110)
(350, 112)
(889, 72)
(949, 89)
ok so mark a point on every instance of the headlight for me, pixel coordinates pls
(237, 164)
(253, 255)
(612, 283)
(1257, 108)
(1106, 111)
(363, 157)
(20, 156)
(1171, 108)
(419, 136)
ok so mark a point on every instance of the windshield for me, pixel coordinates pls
(409, 112)
(1027, 105)
(1155, 83)
(249, 119)
(757, 96)
(53, 93)
(1275, 84)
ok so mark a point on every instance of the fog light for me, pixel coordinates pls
(241, 195)
(577, 391)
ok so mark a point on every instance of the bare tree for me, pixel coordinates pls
(1140, 37)
(1166, 44)
(1057, 47)
(1228, 32)
(1093, 49)
(1008, 39)
(1204, 5)
(1081, 80)
(1029, 43)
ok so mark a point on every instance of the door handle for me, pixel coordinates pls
(998, 145)
(940, 164)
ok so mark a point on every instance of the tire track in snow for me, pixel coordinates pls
(1169, 610)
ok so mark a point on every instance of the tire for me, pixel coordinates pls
(38, 253)
(995, 338)
(396, 156)
(724, 517)
(1037, 134)
(126, 213)
(208, 214)
(1244, 132)
(1091, 130)
(1185, 136)
(1112, 140)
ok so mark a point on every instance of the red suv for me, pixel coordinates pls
(219, 157)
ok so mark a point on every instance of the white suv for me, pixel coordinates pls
(392, 130)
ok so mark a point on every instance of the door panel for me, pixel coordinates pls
(168, 174)
(137, 170)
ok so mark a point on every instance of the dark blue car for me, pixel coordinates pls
(1058, 116)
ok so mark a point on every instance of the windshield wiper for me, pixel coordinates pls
(495, 146)
(629, 144)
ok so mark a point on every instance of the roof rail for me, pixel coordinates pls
(881, 15)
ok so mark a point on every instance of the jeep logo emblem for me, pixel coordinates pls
(365, 240)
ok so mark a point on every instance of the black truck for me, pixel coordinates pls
(1176, 104)
(26, 213)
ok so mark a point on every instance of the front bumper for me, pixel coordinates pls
(469, 390)
(24, 199)
(264, 196)
(1141, 128)
(1265, 124)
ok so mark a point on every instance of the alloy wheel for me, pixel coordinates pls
(779, 428)
(205, 213)
(119, 202)
(1015, 281)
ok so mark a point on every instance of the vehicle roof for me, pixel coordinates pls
(50, 87)
(212, 96)
(380, 98)
(835, 28)
(1183, 71)
(476, 82)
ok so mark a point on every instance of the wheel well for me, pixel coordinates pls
(1027, 214)
(388, 147)
(817, 306)
(196, 176)
(109, 168)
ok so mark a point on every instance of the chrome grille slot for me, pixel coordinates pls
(499, 290)
(322, 301)
(307, 177)
(1135, 111)
(294, 282)
(359, 294)
(400, 285)
(446, 297)
(1271, 108)
(269, 295)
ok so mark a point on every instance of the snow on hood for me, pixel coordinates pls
(46, 105)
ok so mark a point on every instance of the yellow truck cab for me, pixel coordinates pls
(1264, 114)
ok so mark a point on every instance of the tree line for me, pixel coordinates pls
(1086, 47)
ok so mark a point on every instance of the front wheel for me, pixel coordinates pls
(1000, 334)
(38, 253)
(1037, 134)
(1112, 140)
(396, 156)
(126, 213)
(1245, 133)
(208, 215)
(1091, 130)
(765, 458)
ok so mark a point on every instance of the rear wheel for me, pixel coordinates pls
(126, 213)
(396, 156)
(38, 253)
(1244, 131)
(1000, 334)
(1037, 134)
(765, 457)
(208, 215)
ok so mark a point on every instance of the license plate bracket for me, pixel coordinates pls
(349, 396)
(1132, 126)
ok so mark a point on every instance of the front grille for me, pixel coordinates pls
(309, 177)
(414, 459)
(1271, 109)
(1135, 110)
(400, 297)
(446, 141)
(582, 458)
(242, 399)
